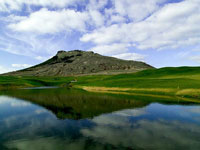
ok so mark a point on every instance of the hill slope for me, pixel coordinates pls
(80, 62)
(178, 83)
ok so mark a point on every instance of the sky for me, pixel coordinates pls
(159, 32)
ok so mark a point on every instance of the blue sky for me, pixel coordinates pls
(159, 32)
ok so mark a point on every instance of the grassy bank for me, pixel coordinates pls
(12, 82)
(182, 82)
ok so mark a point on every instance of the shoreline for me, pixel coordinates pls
(154, 92)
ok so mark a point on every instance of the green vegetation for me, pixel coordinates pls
(181, 81)
(13, 82)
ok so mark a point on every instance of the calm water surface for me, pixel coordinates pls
(60, 119)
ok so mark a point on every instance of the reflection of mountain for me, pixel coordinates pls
(76, 104)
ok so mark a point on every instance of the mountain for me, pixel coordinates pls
(79, 62)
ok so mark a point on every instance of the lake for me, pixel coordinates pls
(66, 119)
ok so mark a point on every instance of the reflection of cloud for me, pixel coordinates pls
(4, 99)
(13, 102)
(25, 116)
(195, 110)
(118, 118)
(110, 120)
(19, 104)
(47, 144)
(126, 129)
(29, 125)
(131, 112)
(40, 111)
(144, 134)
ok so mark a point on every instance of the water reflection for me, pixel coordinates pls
(148, 130)
(75, 104)
(137, 125)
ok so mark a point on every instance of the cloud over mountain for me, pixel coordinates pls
(109, 27)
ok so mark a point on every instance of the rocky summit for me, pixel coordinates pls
(77, 62)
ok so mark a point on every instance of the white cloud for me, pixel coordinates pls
(174, 25)
(13, 67)
(136, 9)
(191, 54)
(117, 19)
(21, 65)
(107, 35)
(12, 18)
(97, 17)
(195, 58)
(96, 4)
(93, 8)
(8, 5)
(32, 45)
(111, 49)
(113, 28)
(5, 69)
(130, 56)
(46, 21)
(41, 58)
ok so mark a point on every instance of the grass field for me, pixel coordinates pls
(181, 81)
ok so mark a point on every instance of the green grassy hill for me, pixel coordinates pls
(170, 72)
(180, 81)
(182, 77)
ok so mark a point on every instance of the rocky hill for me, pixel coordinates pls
(78, 62)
